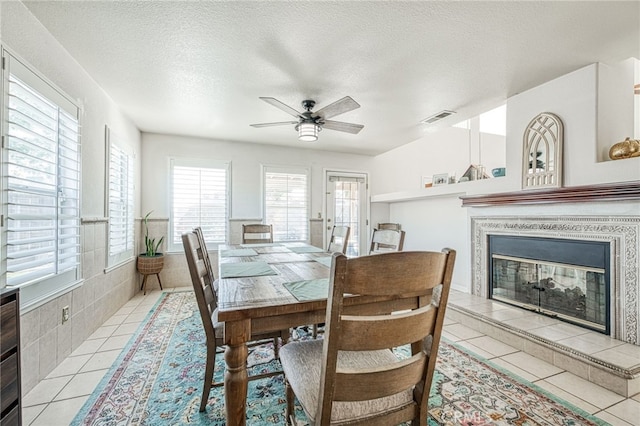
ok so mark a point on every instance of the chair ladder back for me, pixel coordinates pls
(257, 234)
(209, 278)
(392, 226)
(419, 272)
(370, 333)
(339, 239)
(377, 382)
(330, 346)
(401, 275)
(384, 240)
(198, 271)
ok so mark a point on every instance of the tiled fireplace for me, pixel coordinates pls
(610, 283)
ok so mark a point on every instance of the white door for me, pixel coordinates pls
(346, 205)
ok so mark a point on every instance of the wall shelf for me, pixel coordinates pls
(441, 191)
(418, 194)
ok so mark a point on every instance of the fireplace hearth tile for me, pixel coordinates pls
(590, 343)
(507, 314)
(568, 362)
(531, 322)
(554, 332)
(619, 357)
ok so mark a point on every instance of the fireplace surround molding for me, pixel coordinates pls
(622, 233)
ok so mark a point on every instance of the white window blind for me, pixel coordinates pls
(199, 198)
(120, 203)
(286, 193)
(42, 161)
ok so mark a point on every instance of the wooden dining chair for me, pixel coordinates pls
(387, 225)
(339, 239)
(353, 376)
(257, 234)
(386, 240)
(204, 255)
(202, 281)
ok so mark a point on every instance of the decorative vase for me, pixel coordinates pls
(625, 149)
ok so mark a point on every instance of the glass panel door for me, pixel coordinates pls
(346, 206)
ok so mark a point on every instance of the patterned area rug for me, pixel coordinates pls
(158, 377)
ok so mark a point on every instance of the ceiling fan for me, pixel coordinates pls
(310, 123)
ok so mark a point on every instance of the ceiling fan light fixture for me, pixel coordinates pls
(308, 132)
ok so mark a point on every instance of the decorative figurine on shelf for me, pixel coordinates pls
(626, 149)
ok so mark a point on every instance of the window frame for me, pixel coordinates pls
(176, 246)
(36, 292)
(297, 170)
(113, 144)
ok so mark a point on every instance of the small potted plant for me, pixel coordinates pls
(151, 261)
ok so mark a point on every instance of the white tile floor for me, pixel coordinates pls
(56, 399)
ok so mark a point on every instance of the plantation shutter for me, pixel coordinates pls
(200, 198)
(120, 204)
(42, 161)
(287, 203)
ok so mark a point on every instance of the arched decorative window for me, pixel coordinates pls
(542, 152)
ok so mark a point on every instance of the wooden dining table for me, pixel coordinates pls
(252, 304)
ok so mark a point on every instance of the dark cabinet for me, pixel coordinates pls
(10, 406)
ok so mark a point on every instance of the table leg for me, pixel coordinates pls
(236, 378)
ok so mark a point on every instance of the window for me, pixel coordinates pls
(199, 198)
(286, 201)
(494, 121)
(120, 201)
(42, 162)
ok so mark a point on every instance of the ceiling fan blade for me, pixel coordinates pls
(284, 107)
(345, 104)
(342, 127)
(280, 123)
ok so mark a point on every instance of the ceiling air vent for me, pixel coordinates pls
(439, 116)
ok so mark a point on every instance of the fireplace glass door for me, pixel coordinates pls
(577, 294)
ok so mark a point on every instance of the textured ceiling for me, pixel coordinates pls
(198, 68)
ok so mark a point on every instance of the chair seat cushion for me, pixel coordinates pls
(302, 363)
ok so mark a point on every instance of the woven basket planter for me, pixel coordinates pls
(150, 265)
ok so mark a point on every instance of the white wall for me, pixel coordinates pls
(45, 341)
(434, 217)
(23, 35)
(574, 98)
(246, 160)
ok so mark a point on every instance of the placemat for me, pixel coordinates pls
(326, 261)
(238, 252)
(309, 289)
(245, 269)
(306, 249)
(261, 245)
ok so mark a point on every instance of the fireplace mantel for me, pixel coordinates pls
(605, 192)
